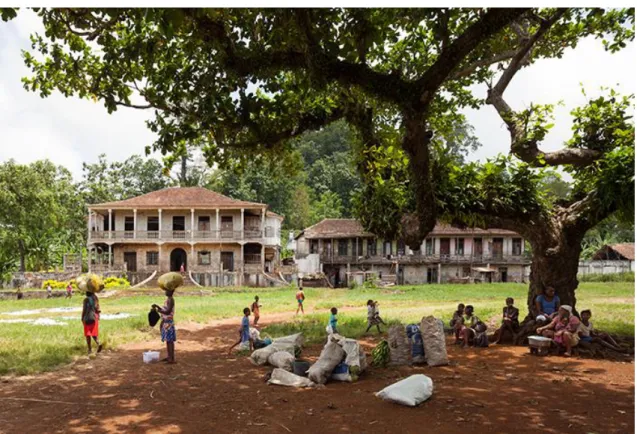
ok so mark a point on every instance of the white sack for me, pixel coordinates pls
(260, 356)
(411, 391)
(282, 359)
(282, 377)
(331, 355)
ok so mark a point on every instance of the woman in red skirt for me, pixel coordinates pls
(90, 319)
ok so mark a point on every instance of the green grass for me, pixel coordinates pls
(27, 348)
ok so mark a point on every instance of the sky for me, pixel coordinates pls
(69, 131)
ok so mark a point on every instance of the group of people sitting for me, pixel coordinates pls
(552, 320)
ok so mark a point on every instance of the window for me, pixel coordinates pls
(203, 258)
(371, 247)
(477, 247)
(400, 249)
(314, 246)
(460, 246)
(179, 223)
(342, 247)
(204, 223)
(129, 227)
(429, 246)
(152, 224)
(152, 258)
(517, 246)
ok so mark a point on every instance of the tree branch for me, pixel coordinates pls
(488, 25)
(470, 69)
(527, 149)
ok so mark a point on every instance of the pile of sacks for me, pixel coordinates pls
(424, 343)
(341, 359)
(280, 353)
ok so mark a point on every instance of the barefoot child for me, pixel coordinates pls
(90, 320)
(588, 334)
(244, 331)
(373, 319)
(510, 321)
(167, 325)
(333, 320)
(457, 321)
(300, 298)
(255, 310)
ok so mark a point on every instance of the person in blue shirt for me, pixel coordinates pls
(244, 331)
(333, 319)
(546, 305)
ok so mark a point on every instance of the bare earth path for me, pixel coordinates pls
(496, 390)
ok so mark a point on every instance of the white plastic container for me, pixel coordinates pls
(151, 356)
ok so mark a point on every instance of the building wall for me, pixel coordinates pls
(605, 267)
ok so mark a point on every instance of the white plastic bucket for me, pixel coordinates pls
(151, 356)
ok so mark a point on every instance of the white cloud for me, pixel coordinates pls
(70, 131)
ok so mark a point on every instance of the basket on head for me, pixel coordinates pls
(90, 283)
(170, 281)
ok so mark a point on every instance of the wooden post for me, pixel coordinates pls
(218, 229)
(192, 223)
(110, 223)
(134, 223)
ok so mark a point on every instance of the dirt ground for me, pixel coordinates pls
(493, 390)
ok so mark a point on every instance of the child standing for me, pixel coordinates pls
(48, 290)
(167, 325)
(333, 320)
(244, 331)
(300, 298)
(255, 310)
(69, 290)
(90, 320)
(372, 316)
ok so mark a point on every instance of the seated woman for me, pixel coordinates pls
(546, 305)
(588, 334)
(563, 329)
(510, 321)
(468, 329)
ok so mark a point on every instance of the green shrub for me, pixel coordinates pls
(371, 282)
(59, 284)
(116, 282)
(611, 277)
(109, 282)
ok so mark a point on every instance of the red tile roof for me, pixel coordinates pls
(623, 250)
(179, 197)
(348, 228)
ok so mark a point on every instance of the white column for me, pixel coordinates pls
(192, 224)
(241, 261)
(217, 225)
(242, 213)
(90, 219)
(192, 257)
(134, 223)
(110, 256)
(159, 257)
(159, 227)
(262, 257)
(110, 223)
(439, 272)
(263, 223)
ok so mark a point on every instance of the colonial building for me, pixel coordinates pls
(344, 252)
(217, 240)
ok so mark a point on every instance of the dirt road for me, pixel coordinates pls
(493, 390)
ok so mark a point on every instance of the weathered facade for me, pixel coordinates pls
(344, 252)
(217, 240)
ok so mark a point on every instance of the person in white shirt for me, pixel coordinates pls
(588, 334)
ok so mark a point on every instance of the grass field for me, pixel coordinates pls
(29, 348)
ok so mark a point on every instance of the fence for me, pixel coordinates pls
(605, 267)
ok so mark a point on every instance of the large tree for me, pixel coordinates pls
(244, 81)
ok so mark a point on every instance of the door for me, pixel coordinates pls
(445, 248)
(130, 259)
(152, 227)
(203, 227)
(178, 258)
(497, 247)
(227, 260)
(227, 227)
(477, 247)
(129, 227)
(503, 274)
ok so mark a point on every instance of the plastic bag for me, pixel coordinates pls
(282, 359)
(433, 337)
(329, 329)
(170, 281)
(415, 339)
(254, 334)
(411, 391)
(282, 377)
(331, 355)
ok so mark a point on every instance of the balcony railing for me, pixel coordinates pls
(178, 235)
(329, 258)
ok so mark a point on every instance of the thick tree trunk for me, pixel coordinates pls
(557, 269)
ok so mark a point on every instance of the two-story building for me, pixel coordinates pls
(215, 239)
(343, 251)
